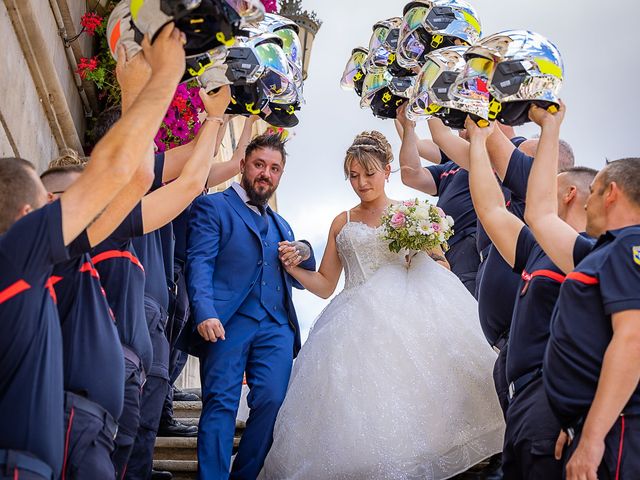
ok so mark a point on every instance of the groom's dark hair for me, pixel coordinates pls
(267, 140)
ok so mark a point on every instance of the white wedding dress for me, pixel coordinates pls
(395, 379)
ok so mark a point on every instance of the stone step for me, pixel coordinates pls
(187, 410)
(181, 448)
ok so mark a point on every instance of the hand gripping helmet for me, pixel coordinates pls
(430, 95)
(383, 46)
(207, 24)
(384, 93)
(431, 24)
(506, 73)
(354, 71)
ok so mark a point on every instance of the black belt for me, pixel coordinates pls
(12, 459)
(522, 381)
(71, 400)
(501, 342)
(135, 359)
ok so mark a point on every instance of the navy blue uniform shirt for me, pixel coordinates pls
(498, 284)
(606, 280)
(454, 197)
(93, 359)
(31, 383)
(149, 250)
(122, 276)
(536, 298)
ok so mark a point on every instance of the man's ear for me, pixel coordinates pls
(611, 194)
(25, 210)
(570, 195)
(50, 197)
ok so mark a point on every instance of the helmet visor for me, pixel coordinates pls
(378, 38)
(474, 80)
(374, 82)
(415, 18)
(272, 57)
(428, 75)
(291, 45)
(354, 70)
(249, 10)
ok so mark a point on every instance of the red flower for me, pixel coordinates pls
(86, 65)
(90, 21)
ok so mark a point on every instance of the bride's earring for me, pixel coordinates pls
(387, 179)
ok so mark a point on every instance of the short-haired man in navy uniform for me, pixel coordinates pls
(33, 239)
(450, 183)
(592, 362)
(532, 428)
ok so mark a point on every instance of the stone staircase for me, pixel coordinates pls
(179, 455)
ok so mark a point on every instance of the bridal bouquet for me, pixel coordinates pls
(416, 225)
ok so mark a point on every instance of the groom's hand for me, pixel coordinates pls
(211, 330)
(293, 253)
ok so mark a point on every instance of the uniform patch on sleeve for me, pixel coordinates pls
(636, 254)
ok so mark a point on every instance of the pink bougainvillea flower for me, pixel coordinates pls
(181, 129)
(270, 6)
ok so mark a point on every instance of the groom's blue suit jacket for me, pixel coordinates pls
(225, 255)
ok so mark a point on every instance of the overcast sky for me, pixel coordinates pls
(599, 43)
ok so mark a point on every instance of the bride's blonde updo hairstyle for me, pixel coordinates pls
(371, 150)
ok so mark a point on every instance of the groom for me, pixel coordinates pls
(241, 299)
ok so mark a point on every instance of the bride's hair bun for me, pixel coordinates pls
(371, 149)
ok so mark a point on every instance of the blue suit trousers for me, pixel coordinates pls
(264, 351)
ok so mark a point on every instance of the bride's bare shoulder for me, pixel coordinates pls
(339, 222)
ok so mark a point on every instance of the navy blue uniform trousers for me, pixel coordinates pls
(154, 391)
(90, 431)
(17, 465)
(129, 420)
(464, 260)
(621, 459)
(264, 350)
(530, 437)
(500, 380)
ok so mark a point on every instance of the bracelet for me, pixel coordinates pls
(438, 258)
(219, 120)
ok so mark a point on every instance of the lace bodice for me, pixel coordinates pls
(363, 252)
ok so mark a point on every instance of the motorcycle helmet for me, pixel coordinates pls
(207, 24)
(383, 46)
(384, 93)
(431, 24)
(430, 95)
(354, 71)
(507, 72)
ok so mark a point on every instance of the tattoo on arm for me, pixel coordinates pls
(303, 250)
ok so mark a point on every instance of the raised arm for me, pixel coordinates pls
(164, 204)
(500, 150)
(119, 154)
(427, 149)
(323, 282)
(502, 227)
(453, 146)
(221, 172)
(412, 172)
(132, 74)
(556, 237)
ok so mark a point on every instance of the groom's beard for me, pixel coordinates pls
(262, 196)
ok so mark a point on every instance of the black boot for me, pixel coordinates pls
(157, 475)
(173, 428)
(180, 396)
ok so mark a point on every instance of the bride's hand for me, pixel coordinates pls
(293, 253)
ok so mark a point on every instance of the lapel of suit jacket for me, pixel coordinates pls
(241, 209)
(285, 231)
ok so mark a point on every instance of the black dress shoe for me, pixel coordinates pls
(173, 428)
(158, 475)
(180, 396)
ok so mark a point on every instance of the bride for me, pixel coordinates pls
(395, 379)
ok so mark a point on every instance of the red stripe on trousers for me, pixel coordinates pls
(66, 444)
(582, 278)
(558, 277)
(88, 267)
(109, 254)
(13, 290)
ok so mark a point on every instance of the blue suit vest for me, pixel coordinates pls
(267, 297)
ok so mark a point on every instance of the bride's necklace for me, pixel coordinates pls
(372, 211)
